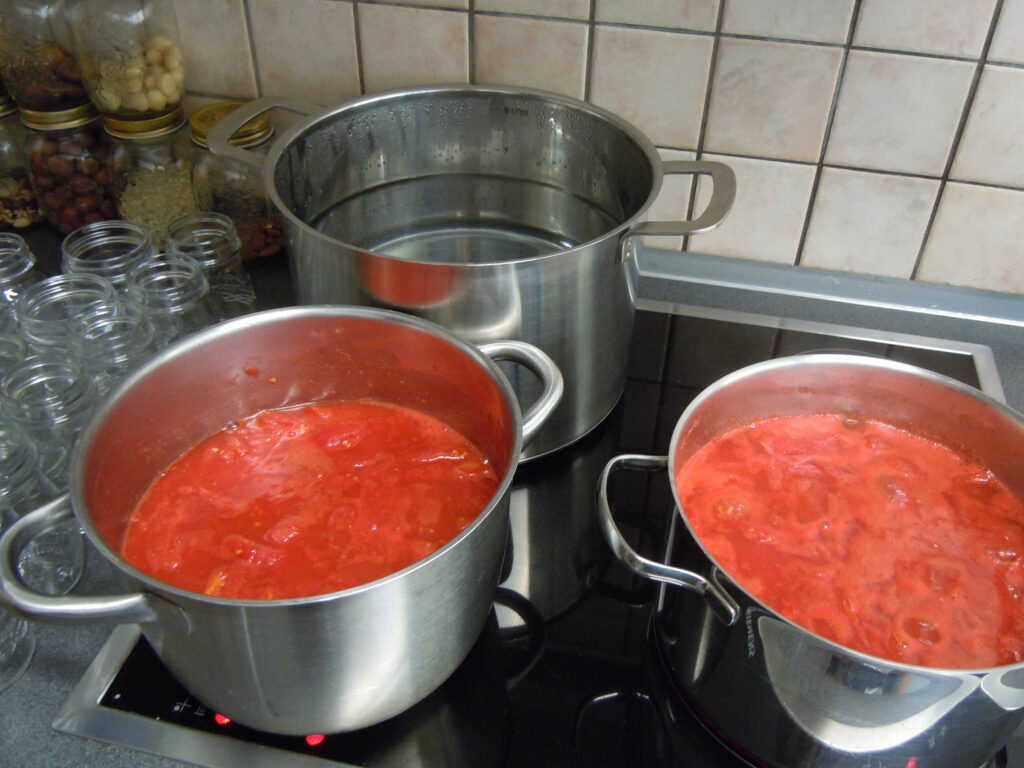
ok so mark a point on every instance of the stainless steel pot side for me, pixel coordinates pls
(320, 664)
(776, 690)
(494, 212)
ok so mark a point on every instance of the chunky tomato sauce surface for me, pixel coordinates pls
(868, 535)
(308, 500)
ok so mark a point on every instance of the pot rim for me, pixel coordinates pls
(833, 358)
(99, 414)
(301, 126)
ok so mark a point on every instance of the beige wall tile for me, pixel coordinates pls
(215, 47)
(977, 239)
(461, 4)
(947, 27)
(412, 46)
(991, 150)
(768, 216)
(672, 201)
(561, 9)
(697, 15)
(305, 49)
(656, 80)
(898, 113)
(868, 223)
(1008, 40)
(532, 53)
(819, 21)
(771, 99)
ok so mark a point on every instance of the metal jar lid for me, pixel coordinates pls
(147, 128)
(60, 119)
(254, 132)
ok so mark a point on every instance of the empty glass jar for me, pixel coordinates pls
(172, 292)
(108, 345)
(109, 249)
(43, 310)
(210, 238)
(17, 272)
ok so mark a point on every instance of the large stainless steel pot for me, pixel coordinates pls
(773, 689)
(495, 212)
(320, 664)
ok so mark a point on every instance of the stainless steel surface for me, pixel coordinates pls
(495, 212)
(327, 663)
(818, 703)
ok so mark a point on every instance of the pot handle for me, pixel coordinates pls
(723, 194)
(720, 601)
(137, 608)
(218, 139)
(545, 369)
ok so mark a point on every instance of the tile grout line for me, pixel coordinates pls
(588, 67)
(471, 40)
(957, 138)
(357, 41)
(706, 110)
(250, 36)
(819, 167)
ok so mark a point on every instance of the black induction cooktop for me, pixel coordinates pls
(564, 673)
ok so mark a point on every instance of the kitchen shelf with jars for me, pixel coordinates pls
(93, 126)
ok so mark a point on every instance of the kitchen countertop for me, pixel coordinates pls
(670, 282)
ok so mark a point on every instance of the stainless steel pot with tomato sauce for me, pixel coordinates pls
(775, 690)
(323, 663)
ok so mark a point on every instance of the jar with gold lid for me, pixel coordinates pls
(151, 171)
(233, 188)
(18, 206)
(36, 62)
(68, 153)
(130, 56)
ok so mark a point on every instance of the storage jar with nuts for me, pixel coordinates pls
(67, 164)
(36, 62)
(18, 205)
(234, 188)
(130, 57)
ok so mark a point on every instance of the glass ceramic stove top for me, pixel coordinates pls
(564, 673)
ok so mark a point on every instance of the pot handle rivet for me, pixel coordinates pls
(721, 603)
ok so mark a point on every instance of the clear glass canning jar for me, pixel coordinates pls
(36, 63)
(152, 175)
(13, 350)
(44, 309)
(52, 562)
(130, 57)
(109, 344)
(233, 188)
(67, 164)
(18, 271)
(210, 238)
(170, 290)
(109, 249)
(18, 205)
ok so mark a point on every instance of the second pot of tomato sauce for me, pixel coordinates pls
(310, 508)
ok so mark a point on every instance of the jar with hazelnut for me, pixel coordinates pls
(67, 154)
(151, 170)
(233, 188)
(130, 57)
(36, 62)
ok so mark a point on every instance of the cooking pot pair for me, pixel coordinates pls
(772, 689)
(320, 664)
(498, 213)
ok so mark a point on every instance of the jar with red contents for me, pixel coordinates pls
(67, 162)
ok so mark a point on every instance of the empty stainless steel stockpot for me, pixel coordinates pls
(495, 212)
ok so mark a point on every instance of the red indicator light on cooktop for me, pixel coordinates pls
(912, 762)
(221, 719)
(315, 740)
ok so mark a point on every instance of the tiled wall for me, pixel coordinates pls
(883, 137)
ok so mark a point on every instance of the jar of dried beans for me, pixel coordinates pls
(67, 156)
(234, 188)
(130, 57)
(36, 63)
(151, 171)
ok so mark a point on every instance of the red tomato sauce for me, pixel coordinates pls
(868, 535)
(308, 500)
